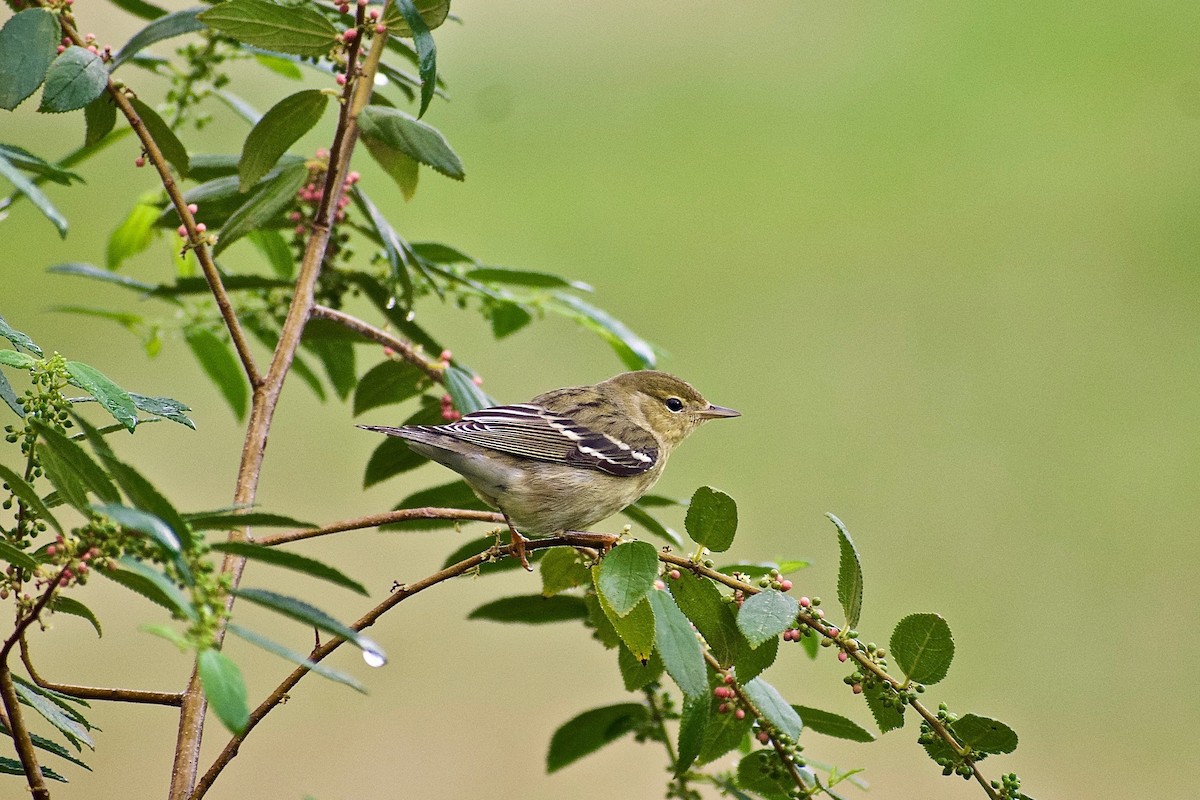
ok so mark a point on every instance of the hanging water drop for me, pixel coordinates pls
(372, 653)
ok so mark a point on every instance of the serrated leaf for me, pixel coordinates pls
(115, 399)
(40, 201)
(507, 318)
(164, 27)
(642, 517)
(626, 575)
(402, 168)
(100, 117)
(532, 609)
(984, 735)
(228, 519)
(172, 149)
(524, 277)
(773, 707)
(17, 557)
(221, 365)
(433, 14)
(409, 135)
(829, 724)
(70, 726)
(75, 78)
(13, 358)
(887, 717)
(386, 383)
(753, 661)
(25, 492)
(392, 457)
(676, 643)
(701, 601)
(693, 723)
(280, 66)
(602, 628)
(766, 615)
(636, 675)
(395, 249)
(37, 166)
(306, 613)
(164, 407)
(10, 766)
(333, 345)
(850, 579)
(292, 561)
(300, 30)
(425, 47)
(711, 519)
(633, 351)
(759, 569)
(456, 494)
(635, 629)
(27, 43)
(92, 271)
(267, 202)
(590, 731)
(139, 8)
(224, 689)
(562, 569)
(923, 647)
(151, 584)
(135, 233)
(466, 395)
(67, 464)
(280, 128)
(9, 396)
(723, 733)
(138, 520)
(62, 604)
(274, 647)
(764, 774)
(42, 743)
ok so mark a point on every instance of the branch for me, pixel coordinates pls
(402, 348)
(386, 518)
(95, 693)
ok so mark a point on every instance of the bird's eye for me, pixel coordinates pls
(675, 404)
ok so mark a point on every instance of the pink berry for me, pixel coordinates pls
(341, 80)
(764, 737)
(477, 380)
(857, 688)
(719, 691)
(192, 207)
(658, 584)
(139, 162)
(51, 550)
(353, 176)
(373, 14)
(842, 655)
(201, 227)
(446, 355)
(728, 679)
(723, 708)
(299, 230)
(59, 49)
(389, 352)
(805, 602)
(785, 585)
(740, 713)
(349, 35)
(182, 231)
(381, 28)
(345, 9)
(674, 574)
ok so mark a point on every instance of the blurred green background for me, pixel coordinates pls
(941, 255)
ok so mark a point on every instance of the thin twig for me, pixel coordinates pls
(405, 349)
(375, 520)
(145, 696)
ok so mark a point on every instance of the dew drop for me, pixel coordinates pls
(410, 316)
(372, 653)
(391, 303)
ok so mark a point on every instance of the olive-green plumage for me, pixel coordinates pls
(571, 457)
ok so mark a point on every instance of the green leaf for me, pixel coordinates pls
(591, 730)
(115, 399)
(642, 517)
(163, 407)
(753, 661)
(61, 604)
(292, 561)
(635, 629)
(276, 250)
(701, 601)
(923, 647)
(773, 707)
(830, 724)
(140, 521)
(152, 585)
(693, 724)
(676, 643)
(766, 615)
(274, 647)
(73, 726)
(135, 233)
(850, 579)
(635, 674)
(71, 469)
(299, 30)
(524, 277)
(723, 733)
(456, 494)
(336, 354)
(28, 495)
(17, 557)
(27, 43)
(466, 395)
(602, 629)
(887, 717)
(562, 569)
(139, 8)
(75, 78)
(10, 766)
(394, 248)
(634, 351)
(37, 166)
(263, 206)
(984, 735)
(433, 14)
(100, 117)
(532, 609)
(94, 272)
(42, 743)
(164, 27)
(13, 358)
(280, 128)
(226, 519)
(712, 519)
(222, 366)
(303, 612)
(402, 168)
(224, 688)
(172, 149)
(392, 457)
(9, 396)
(35, 195)
(411, 136)
(507, 318)
(626, 575)
(426, 50)
(386, 383)
(140, 491)
(280, 66)
(764, 774)
(759, 569)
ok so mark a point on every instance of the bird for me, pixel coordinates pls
(570, 457)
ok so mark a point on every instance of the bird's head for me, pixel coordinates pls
(662, 403)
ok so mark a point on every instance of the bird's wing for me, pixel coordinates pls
(532, 431)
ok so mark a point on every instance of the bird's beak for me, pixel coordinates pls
(716, 412)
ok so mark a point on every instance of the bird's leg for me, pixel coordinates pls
(518, 542)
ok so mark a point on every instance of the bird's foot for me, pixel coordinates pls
(518, 544)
